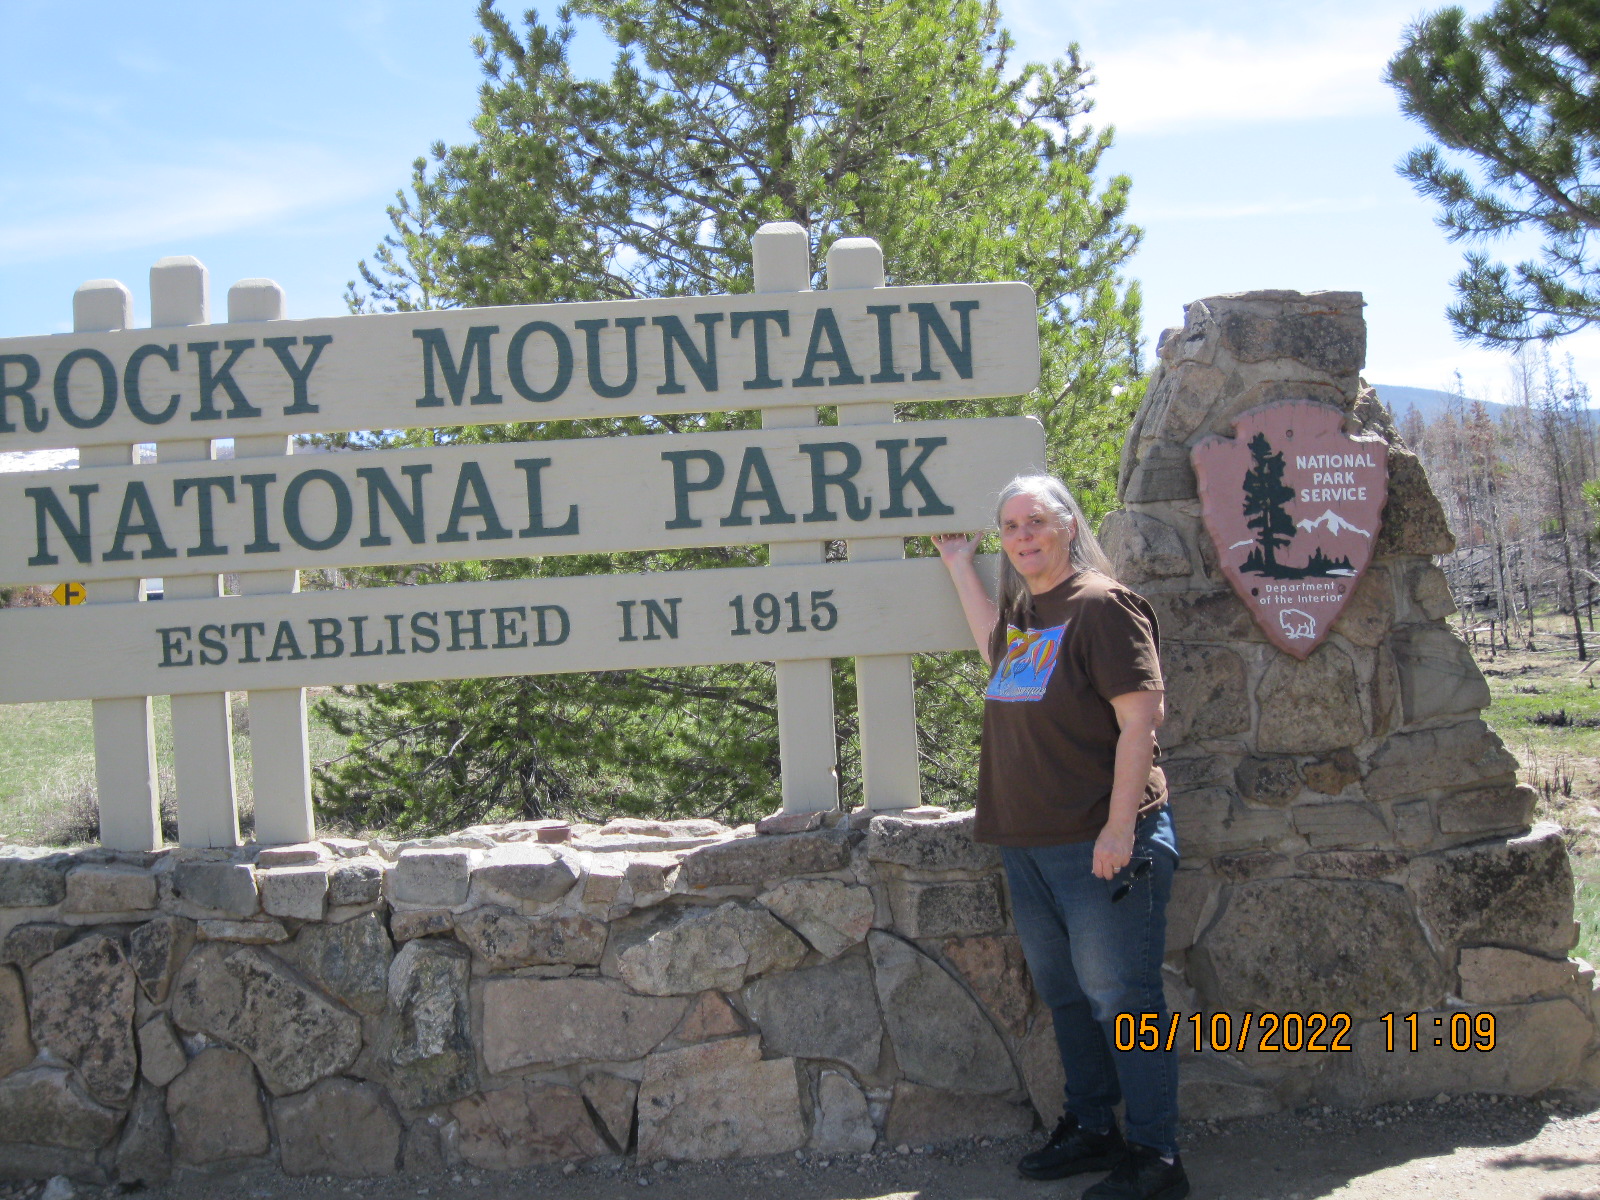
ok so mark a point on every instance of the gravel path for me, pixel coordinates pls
(1468, 1148)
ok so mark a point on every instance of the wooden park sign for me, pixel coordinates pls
(1293, 506)
(794, 485)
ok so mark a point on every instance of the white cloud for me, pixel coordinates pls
(130, 204)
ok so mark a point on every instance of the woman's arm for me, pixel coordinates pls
(1138, 715)
(956, 551)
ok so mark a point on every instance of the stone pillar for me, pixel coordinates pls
(1354, 838)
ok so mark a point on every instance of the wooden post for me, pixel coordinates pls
(280, 765)
(124, 729)
(885, 700)
(807, 745)
(202, 742)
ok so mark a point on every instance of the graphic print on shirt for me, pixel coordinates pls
(1030, 659)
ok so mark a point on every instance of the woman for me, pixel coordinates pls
(1068, 789)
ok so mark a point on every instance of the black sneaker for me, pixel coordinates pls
(1071, 1151)
(1141, 1175)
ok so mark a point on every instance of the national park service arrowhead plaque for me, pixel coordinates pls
(1292, 503)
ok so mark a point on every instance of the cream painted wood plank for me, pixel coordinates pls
(126, 788)
(808, 744)
(782, 347)
(280, 764)
(596, 495)
(886, 705)
(202, 742)
(472, 630)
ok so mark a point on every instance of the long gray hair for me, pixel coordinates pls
(1085, 555)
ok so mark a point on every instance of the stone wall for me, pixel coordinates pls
(514, 995)
(1354, 836)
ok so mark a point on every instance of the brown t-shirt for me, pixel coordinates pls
(1049, 731)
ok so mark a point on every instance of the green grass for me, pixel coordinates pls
(47, 766)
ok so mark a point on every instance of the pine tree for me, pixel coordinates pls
(1265, 495)
(906, 121)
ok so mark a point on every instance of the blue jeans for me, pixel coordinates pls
(1093, 958)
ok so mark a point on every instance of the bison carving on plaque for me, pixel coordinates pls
(1292, 503)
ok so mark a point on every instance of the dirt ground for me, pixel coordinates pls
(1467, 1148)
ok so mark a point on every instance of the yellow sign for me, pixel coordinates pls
(70, 593)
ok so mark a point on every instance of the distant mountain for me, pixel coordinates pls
(1429, 402)
(1334, 524)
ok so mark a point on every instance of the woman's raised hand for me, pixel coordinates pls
(953, 547)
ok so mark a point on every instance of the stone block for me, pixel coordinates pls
(1309, 707)
(613, 1100)
(562, 1021)
(1183, 399)
(768, 859)
(719, 1100)
(226, 889)
(26, 944)
(691, 949)
(1429, 591)
(144, 1153)
(1249, 864)
(710, 1016)
(430, 1055)
(1537, 1046)
(922, 1115)
(944, 844)
(297, 855)
(1493, 975)
(791, 822)
(1408, 763)
(525, 1125)
(1487, 809)
(1413, 824)
(1211, 1088)
(406, 926)
(32, 878)
(828, 1011)
(81, 1009)
(1351, 864)
(1040, 1062)
(300, 892)
(249, 933)
(1369, 613)
(1316, 945)
(1142, 548)
(216, 1111)
(1516, 893)
(1192, 893)
(602, 883)
(1211, 822)
(650, 876)
(1332, 773)
(828, 913)
(355, 881)
(1332, 343)
(1438, 676)
(524, 871)
(1193, 772)
(956, 908)
(350, 961)
(346, 847)
(997, 973)
(156, 949)
(109, 888)
(1268, 780)
(842, 1123)
(941, 1037)
(45, 1106)
(1206, 692)
(505, 939)
(1162, 473)
(1413, 521)
(1212, 616)
(16, 1044)
(339, 1127)
(249, 999)
(1339, 823)
(440, 878)
(161, 1056)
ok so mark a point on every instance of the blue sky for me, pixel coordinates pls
(267, 139)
